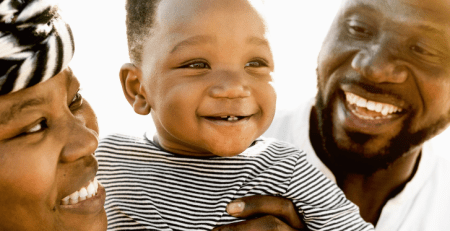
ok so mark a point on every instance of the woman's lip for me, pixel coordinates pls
(91, 205)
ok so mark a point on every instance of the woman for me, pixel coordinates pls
(48, 133)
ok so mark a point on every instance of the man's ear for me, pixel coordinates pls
(130, 78)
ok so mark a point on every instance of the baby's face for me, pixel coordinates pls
(207, 76)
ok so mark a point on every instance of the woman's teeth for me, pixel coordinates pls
(82, 194)
(383, 108)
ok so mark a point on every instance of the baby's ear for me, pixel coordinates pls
(130, 78)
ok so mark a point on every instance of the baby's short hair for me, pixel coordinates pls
(139, 21)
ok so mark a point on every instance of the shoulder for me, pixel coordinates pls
(276, 149)
(291, 123)
(117, 144)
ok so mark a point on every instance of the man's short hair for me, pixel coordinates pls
(139, 21)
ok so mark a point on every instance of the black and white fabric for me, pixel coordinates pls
(148, 188)
(35, 43)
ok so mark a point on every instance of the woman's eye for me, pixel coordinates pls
(256, 64)
(420, 50)
(197, 65)
(77, 101)
(38, 127)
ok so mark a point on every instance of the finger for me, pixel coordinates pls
(266, 223)
(266, 205)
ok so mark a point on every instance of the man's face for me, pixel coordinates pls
(384, 79)
(48, 136)
(207, 76)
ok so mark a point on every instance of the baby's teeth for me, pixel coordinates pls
(90, 190)
(74, 198)
(83, 194)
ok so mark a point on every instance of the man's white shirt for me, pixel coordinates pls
(424, 203)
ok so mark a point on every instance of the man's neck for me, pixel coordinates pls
(369, 192)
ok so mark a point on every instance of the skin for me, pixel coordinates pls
(46, 153)
(229, 74)
(390, 49)
(395, 52)
(211, 59)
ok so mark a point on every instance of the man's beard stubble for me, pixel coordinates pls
(352, 159)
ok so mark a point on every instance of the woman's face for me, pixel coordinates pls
(48, 135)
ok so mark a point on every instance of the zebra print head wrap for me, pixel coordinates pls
(35, 43)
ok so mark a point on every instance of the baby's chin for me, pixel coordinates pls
(230, 150)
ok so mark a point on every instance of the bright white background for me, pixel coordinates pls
(297, 31)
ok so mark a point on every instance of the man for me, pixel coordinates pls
(383, 93)
(383, 90)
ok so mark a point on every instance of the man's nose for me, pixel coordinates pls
(81, 141)
(378, 64)
(230, 85)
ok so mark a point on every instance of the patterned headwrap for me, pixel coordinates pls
(35, 43)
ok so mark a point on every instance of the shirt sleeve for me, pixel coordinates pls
(321, 203)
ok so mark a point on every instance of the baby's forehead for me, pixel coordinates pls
(173, 13)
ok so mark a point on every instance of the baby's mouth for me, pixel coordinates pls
(226, 118)
(82, 194)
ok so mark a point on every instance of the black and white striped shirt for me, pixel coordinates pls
(149, 188)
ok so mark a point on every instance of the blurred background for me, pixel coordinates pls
(297, 29)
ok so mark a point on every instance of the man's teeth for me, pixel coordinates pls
(230, 118)
(382, 108)
(82, 194)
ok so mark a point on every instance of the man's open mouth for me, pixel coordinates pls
(371, 110)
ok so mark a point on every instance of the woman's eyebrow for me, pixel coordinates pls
(8, 115)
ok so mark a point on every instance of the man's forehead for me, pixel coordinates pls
(432, 10)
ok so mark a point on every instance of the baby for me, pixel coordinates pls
(203, 69)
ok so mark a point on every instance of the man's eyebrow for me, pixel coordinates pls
(431, 29)
(18, 107)
(195, 40)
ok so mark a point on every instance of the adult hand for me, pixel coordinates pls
(271, 212)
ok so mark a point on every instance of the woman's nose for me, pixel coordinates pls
(81, 140)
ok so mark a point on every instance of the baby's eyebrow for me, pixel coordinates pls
(194, 41)
(258, 41)
(18, 107)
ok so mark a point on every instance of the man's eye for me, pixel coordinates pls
(77, 101)
(358, 29)
(38, 127)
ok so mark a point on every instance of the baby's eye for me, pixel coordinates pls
(256, 63)
(196, 65)
(77, 101)
(38, 127)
